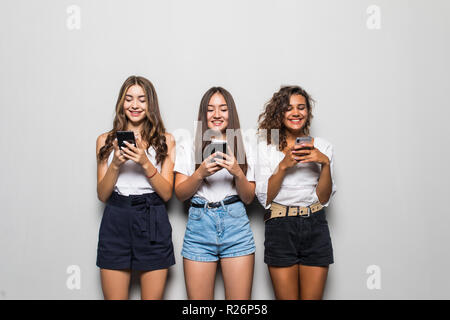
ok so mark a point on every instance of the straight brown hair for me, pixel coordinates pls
(233, 131)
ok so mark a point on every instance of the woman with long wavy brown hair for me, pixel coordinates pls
(135, 181)
(294, 183)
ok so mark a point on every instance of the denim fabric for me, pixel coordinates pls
(215, 233)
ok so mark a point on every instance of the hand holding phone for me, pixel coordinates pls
(118, 158)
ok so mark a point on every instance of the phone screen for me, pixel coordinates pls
(300, 140)
(215, 147)
(127, 136)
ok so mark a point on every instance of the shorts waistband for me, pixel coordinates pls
(134, 199)
(278, 210)
(145, 202)
(205, 204)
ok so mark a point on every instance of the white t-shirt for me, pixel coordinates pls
(220, 184)
(299, 184)
(132, 178)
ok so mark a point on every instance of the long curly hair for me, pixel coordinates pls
(153, 131)
(272, 116)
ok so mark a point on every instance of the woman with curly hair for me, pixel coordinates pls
(135, 181)
(294, 182)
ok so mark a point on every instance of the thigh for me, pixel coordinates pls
(312, 282)
(153, 284)
(115, 284)
(285, 282)
(199, 278)
(238, 277)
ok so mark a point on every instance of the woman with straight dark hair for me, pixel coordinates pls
(135, 181)
(218, 183)
(294, 182)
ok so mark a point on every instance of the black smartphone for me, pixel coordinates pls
(300, 140)
(127, 136)
(214, 147)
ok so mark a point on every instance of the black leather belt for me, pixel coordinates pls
(217, 204)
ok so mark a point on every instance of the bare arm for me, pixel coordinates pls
(107, 176)
(245, 188)
(276, 179)
(162, 181)
(324, 186)
(187, 186)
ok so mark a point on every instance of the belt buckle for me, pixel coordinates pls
(208, 205)
(305, 215)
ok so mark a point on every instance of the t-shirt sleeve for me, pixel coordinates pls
(183, 161)
(249, 152)
(330, 154)
(263, 171)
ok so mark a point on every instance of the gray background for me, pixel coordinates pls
(382, 100)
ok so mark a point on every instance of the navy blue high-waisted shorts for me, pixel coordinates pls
(135, 233)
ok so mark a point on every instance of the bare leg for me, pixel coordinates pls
(199, 278)
(285, 282)
(312, 282)
(238, 277)
(153, 284)
(115, 284)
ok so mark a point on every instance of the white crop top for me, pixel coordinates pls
(132, 178)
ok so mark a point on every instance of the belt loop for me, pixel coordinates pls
(223, 205)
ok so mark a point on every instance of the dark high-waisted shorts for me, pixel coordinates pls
(135, 233)
(298, 240)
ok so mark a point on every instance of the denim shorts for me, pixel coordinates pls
(215, 233)
(135, 233)
(298, 240)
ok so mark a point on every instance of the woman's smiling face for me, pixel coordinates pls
(217, 113)
(135, 104)
(296, 115)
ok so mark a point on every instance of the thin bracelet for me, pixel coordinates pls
(156, 171)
